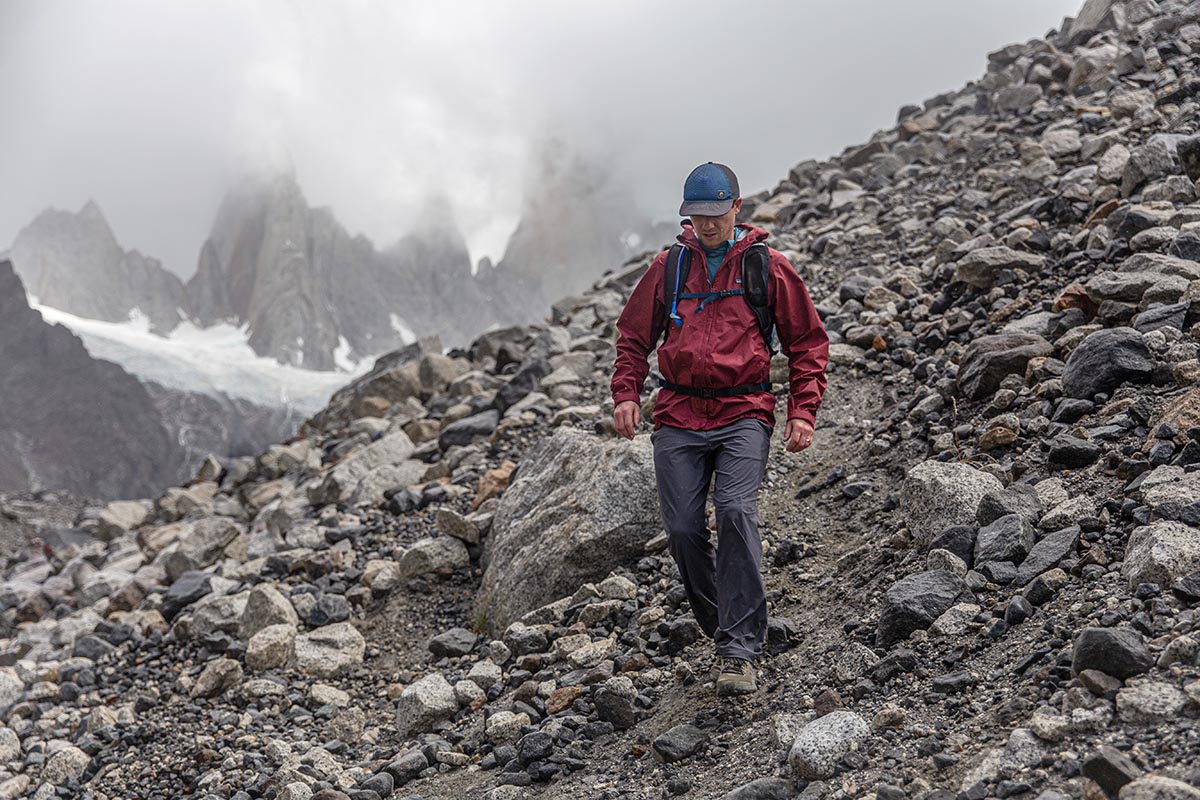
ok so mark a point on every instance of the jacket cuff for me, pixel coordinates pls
(621, 397)
(804, 415)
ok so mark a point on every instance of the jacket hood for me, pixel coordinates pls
(754, 234)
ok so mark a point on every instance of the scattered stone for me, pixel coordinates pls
(822, 743)
(1119, 652)
(330, 650)
(914, 602)
(678, 743)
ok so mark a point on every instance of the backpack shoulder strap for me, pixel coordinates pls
(675, 275)
(756, 287)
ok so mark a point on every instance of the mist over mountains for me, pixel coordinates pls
(287, 285)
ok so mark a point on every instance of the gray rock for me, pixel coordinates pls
(218, 614)
(11, 690)
(1119, 652)
(989, 359)
(1007, 539)
(66, 764)
(989, 266)
(425, 702)
(185, 590)
(1148, 702)
(915, 602)
(1071, 452)
(1020, 498)
(451, 523)
(614, 702)
(435, 554)
(1160, 553)
(1159, 787)
(938, 495)
(763, 789)
(341, 482)
(329, 650)
(1104, 360)
(821, 744)
(1156, 158)
(121, 517)
(454, 642)
(372, 487)
(1110, 769)
(218, 677)
(678, 743)
(201, 546)
(579, 507)
(266, 606)
(271, 647)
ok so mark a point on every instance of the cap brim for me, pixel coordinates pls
(705, 208)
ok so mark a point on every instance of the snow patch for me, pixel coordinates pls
(341, 356)
(406, 333)
(208, 360)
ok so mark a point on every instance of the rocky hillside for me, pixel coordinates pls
(74, 262)
(983, 577)
(118, 448)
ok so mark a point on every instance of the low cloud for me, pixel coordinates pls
(153, 108)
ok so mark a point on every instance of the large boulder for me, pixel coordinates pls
(989, 359)
(915, 602)
(579, 507)
(937, 495)
(1160, 553)
(1105, 360)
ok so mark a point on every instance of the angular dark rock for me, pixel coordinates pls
(1119, 652)
(1020, 498)
(959, 540)
(465, 431)
(454, 642)
(1105, 360)
(1071, 452)
(916, 601)
(1047, 553)
(990, 359)
(679, 742)
(1110, 769)
(1007, 539)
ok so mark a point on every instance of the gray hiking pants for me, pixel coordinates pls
(724, 586)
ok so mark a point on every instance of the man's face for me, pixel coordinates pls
(712, 231)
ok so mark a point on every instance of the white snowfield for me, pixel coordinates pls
(208, 360)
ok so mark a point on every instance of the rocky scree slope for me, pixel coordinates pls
(983, 576)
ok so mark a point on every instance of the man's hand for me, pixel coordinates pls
(798, 434)
(626, 417)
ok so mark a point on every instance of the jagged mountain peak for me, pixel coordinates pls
(73, 261)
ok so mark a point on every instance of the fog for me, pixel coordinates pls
(153, 109)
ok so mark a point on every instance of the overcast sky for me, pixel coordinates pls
(152, 108)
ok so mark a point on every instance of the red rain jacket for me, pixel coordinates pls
(721, 346)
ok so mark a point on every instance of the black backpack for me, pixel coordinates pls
(756, 274)
(756, 282)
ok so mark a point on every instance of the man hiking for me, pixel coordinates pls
(716, 296)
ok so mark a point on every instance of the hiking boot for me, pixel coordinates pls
(737, 677)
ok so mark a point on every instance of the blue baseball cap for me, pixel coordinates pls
(709, 191)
